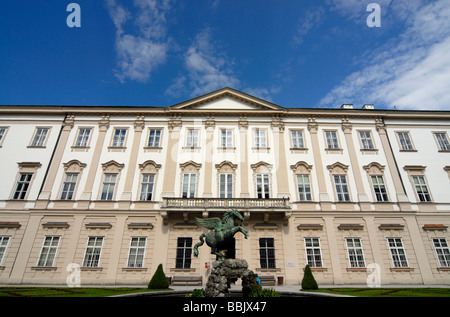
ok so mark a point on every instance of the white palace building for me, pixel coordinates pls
(356, 193)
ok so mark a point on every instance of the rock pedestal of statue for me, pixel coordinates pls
(228, 269)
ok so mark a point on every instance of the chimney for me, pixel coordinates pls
(347, 106)
(368, 107)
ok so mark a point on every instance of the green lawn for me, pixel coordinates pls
(66, 291)
(389, 292)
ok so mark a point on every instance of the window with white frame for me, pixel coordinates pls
(397, 251)
(442, 139)
(340, 183)
(22, 185)
(83, 137)
(39, 137)
(267, 253)
(421, 188)
(109, 185)
(189, 184)
(366, 140)
(93, 252)
(304, 187)
(154, 138)
(136, 252)
(4, 243)
(69, 184)
(313, 252)
(226, 185)
(332, 139)
(355, 252)
(119, 138)
(226, 138)
(405, 141)
(48, 251)
(260, 139)
(297, 139)
(147, 184)
(192, 138)
(442, 251)
(184, 251)
(379, 188)
(2, 134)
(263, 185)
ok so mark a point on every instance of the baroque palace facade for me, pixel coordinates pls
(354, 193)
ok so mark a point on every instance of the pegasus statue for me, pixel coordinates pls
(224, 231)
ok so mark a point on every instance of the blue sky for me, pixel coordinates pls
(161, 52)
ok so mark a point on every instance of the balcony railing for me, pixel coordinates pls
(225, 203)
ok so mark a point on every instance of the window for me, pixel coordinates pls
(260, 138)
(397, 252)
(119, 137)
(184, 251)
(340, 183)
(366, 140)
(48, 251)
(267, 253)
(332, 139)
(379, 188)
(23, 183)
(154, 138)
(442, 251)
(93, 252)
(405, 141)
(4, 242)
(136, 252)
(83, 137)
(148, 181)
(313, 254)
(226, 185)
(442, 139)
(421, 188)
(262, 186)
(192, 138)
(226, 138)
(304, 187)
(355, 252)
(109, 184)
(39, 137)
(297, 139)
(189, 182)
(70, 181)
(2, 134)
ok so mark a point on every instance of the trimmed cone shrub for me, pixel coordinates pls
(159, 279)
(308, 281)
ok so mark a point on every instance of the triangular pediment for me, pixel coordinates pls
(227, 99)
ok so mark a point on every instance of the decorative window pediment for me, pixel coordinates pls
(301, 167)
(338, 168)
(374, 168)
(112, 167)
(149, 166)
(74, 166)
(261, 167)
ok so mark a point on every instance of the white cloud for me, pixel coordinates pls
(307, 22)
(142, 52)
(411, 71)
(207, 69)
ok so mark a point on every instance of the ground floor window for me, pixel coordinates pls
(137, 252)
(267, 253)
(93, 252)
(355, 252)
(313, 253)
(398, 254)
(48, 251)
(184, 251)
(442, 251)
(4, 242)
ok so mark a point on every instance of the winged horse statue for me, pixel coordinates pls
(224, 231)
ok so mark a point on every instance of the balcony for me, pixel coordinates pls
(226, 203)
